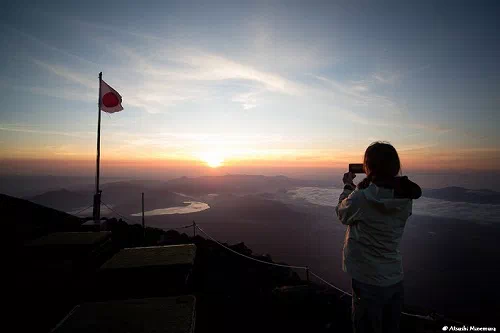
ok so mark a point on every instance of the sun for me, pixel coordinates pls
(213, 159)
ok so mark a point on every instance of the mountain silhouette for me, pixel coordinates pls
(455, 193)
(240, 184)
(125, 196)
(32, 220)
(62, 199)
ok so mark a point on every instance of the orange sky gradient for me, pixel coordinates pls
(424, 159)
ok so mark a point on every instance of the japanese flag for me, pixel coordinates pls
(111, 101)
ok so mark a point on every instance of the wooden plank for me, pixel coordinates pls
(71, 238)
(152, 256)
(163, 314)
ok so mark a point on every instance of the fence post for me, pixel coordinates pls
(308, 296)
(143, 224)
(194, 228)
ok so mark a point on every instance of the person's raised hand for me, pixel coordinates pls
(348, 178)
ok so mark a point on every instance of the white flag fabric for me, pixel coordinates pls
(111, 101)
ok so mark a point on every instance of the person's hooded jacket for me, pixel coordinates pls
(375, 219)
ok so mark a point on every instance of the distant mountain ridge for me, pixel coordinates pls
(28, 186)
(125, 195)
(461, 194)
(62, 199)
(237, 183)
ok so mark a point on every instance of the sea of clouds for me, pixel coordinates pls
(482, 213)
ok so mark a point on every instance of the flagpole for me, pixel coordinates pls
(97, 195)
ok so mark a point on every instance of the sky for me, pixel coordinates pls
(247, 87)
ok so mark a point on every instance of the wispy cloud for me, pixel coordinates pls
(161, 80)
(247, 100)
(63, 150)
(358, 94)
(234, 147)
(73, 76)
(46, 45)
(415, 147)
(213, 67)
(357, 103)
(191, 67)
(392, 123)
(386, 77)
(31, 129)
(395, 76)
(65, 92)
(164, 80)
(196, 139)
(196, 65)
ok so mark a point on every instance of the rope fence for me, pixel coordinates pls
(417, 316)
(247, 257)
(305, 268)
(183, 227)
(195, 226)
(122, 216)
(308, 271)
(344, 293)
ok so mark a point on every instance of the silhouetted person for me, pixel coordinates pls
(375, 213)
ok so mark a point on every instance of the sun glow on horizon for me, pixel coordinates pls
(213, 159)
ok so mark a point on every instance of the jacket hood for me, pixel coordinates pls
(393, 195)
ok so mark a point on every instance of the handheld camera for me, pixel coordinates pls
(356, 168)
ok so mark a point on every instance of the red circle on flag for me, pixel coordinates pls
(110, 100)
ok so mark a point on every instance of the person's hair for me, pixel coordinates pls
(381, 162)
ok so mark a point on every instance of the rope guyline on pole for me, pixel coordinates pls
(114, 211)
(81, 210)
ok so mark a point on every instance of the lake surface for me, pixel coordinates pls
(192, 207)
